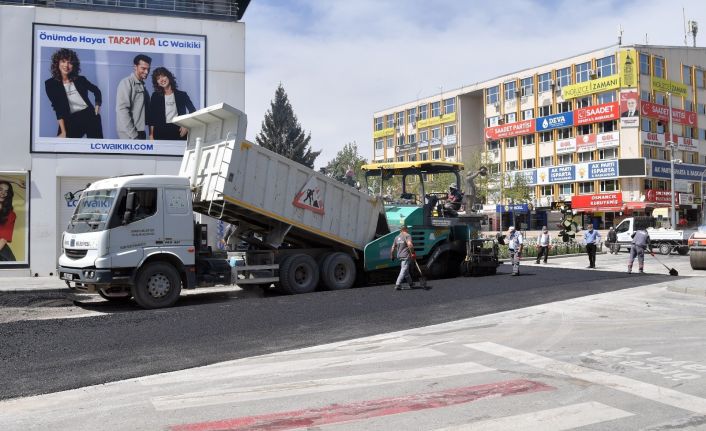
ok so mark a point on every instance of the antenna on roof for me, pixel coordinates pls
(646, 40)
(620, 34)
(683, 14)
(693, 29)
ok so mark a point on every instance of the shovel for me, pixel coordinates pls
(672, 271)
(422, 278)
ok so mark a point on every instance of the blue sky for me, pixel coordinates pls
(342, 60)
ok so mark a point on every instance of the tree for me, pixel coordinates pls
(346, 166)
(282, 133)
(517, 188)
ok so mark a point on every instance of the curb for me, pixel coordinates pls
(697, 291)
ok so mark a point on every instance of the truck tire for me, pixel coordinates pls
(298, 274)
(338, 271)
(158, 285)
(697, 259)
(665, 249)
(683, 250)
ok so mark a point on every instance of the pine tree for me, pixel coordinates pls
(282, 133)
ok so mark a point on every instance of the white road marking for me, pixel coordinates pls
(557, 419)
(263, 366)
(237, 393)
(630, 386)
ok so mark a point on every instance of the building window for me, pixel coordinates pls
(545, 191)
(422, 112)
(563, 133)
(493, 145)
(660, 98)
(510, 88)
(412, 139)
(563, 77)
(607, 126)
(689, 105)
(608, 153)
(400, 119)
(605, 66)
(546, 161)
(644, 64)
(510, 118)
(493, 121)
(544, 82)
(660, 127)
(424, 136)
(527, 163)
(565, 159)
(528, 114)
(702, 134)
(563, 107)
(546, 136)
(647, 152)
(528, 140)
(492, 95)
(435, 109)
(700, 78)
(378, 123)
(645, 125)
(609, 185)
(450, 153)
(449, 105)
(450, 130)
(436, 134)
(582, 71)
(661, 154)
(659, 67)
(412, 115)
(586, 187)
(378, 145)
(647, 184)
(583, 102)
(494, 168)
(390, 121)
(511, 142)
(645, 95)
(400, 158)
(586, 156)
(566, 189)
(390, 142)
(436, 154)
(701, 109)
(544, 111)
(689, 132)
(606, 97)
(661, 185)
(686, 74)
(511, 166)
(400, 140)
(584, 129)
(424, 155)
(527, 86)
(412, 158)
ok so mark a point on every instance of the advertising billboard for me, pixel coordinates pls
(107, 91)
(14, 219)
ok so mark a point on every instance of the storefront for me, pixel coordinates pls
(601, 209)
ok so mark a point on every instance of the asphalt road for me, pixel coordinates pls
(119, 342)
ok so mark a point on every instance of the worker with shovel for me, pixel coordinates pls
(405, 253)
(640, 242)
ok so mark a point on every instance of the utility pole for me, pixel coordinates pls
(671, 162)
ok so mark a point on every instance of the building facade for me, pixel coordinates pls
(63, 131)
(590, 133)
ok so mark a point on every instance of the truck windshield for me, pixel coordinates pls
(93, 211)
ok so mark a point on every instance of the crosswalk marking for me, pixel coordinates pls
(242, 368)
(557, 419)
(236, 393)
(634, 387)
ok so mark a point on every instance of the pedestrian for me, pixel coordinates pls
(591, 238)
(514, 245)
(405, 253)
(543, 245)
(640, 242)
(613, 241)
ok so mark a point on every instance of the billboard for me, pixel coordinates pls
(661, 112)
(555, 121)
(107, 91)
(594, 114)
(509, 130)
(14, 219)
(629, 108)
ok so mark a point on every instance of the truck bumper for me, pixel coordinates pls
(84, 278)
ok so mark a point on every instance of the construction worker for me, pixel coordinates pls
(405, 253)
(514, 245)
(543, 244)
(640, 242)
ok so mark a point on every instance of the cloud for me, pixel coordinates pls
(340, 61)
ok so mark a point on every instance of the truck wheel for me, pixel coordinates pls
(298, 274)
(698, 259)
(683, 250)
(338, 271)
(158, 285)
(665, 249)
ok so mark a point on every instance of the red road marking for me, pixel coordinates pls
(338, 413)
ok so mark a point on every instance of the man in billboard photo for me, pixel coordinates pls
(68, 93)
(7, 221)
(132, 101)
(166, 103)
(631, 108)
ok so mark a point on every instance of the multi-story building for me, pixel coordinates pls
(590, 132)
(73, 107)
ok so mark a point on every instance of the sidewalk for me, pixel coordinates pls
(31, 284)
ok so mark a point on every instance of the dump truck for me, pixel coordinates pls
(136, 236)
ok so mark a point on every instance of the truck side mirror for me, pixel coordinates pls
(129, 207)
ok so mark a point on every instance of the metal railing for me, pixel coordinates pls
(224, 10)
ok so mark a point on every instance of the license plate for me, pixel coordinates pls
(67, 276)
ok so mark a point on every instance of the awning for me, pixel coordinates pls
(598, 209)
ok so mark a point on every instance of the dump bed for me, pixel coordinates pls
(241, 182)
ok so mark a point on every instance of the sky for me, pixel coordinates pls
(342, 60)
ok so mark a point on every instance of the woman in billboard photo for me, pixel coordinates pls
(166, 103)
(68, 92)
(7, 221)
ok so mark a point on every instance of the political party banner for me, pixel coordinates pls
(14, 219)
(555, 121)
(595, 114)
(564, 146)
(661, 112)
(509, 130)
(682, 171)
(629, 109)
(591, 86)
(628, 69)
(106, 91)
(607, 140)
(666, 86)
(586, 143)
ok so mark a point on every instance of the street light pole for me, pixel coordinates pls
(701, 187)
(671, 162)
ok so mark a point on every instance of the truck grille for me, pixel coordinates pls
(75, 254)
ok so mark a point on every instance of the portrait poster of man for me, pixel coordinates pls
(629, 108)
(14, 220)
(114, 91)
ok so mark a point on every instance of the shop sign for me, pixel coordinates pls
(597, 201)
(555, 121)
(566, 146)
(598, 113)
(661, 112)
(585, 143)
(686, 199)
(607, 140)
(509, 130)
(666, 86)
(681, 171)
(518, 208)
(660, 196)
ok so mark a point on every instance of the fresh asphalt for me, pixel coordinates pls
(122, 341)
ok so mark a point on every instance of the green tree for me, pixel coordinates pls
(347, 159)
(282, 133)
(517, 188)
